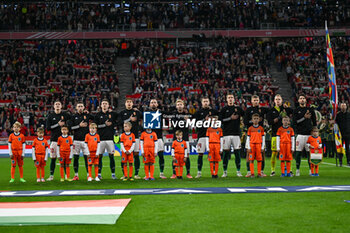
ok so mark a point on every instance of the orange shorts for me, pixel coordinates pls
(286, 152)
(179, 160)
(149, 155)
(40, 160)
(93, 159)
(256, 152)
(127, 158)
(64, 158)
(214, 154)
(17, 158)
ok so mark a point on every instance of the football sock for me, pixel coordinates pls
(76, 163)
(13, 170)
(20, 171)
(298, 159)
(225, 159)
(161, 160)
(312, 168)
(259, 166)
(68, 171)
(86, 163)
(248, 167)
(147, 170)
(177, 171)
(212, 168)
(316, 169)
(188, 166)
(125, 169)
(181, 170)
(62, 172)
(251, 166)
(238, 159)
(131, 169)
(96, 171)
(38, 172)
(263, 164)
(137, 163)
(151, 167)
(200, 162)
(282, 167)
(42, 171)
(52, 166)
(90, 172)
(112, 163)
(288, 166)
(273, 161)
(174, 169)
(216, 168)
(100, 165)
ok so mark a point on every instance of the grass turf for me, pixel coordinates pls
(266, 212)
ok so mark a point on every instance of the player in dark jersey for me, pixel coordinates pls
(255, 109)
(79, 123)
(202, 115)
(153, 105)
(274, 118)
(54, 123)
(134, 116)
(181, 115)
(230, 116)
(106, 120)
(304, 119)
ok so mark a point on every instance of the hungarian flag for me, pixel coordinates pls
(62, 212)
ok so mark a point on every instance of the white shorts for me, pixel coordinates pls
(137, 145)
(300, 143)
(106, 146)
(53, 150)
(160, 145)
(80, 146)
(201, 145)
(235, 141)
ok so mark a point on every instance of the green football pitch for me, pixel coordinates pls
(250, 212)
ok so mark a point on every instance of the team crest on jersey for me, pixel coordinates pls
(13, 161)
(144, 159)
(209, 157)
(123, 159)
(89, 160)
(250, 156)
(37, 162)
(67, 141)
(130, 138)
(95, 139)
(281, 156)
(217, 132)
(182, 145)
(288, 132)
(19, 139)
(43, 144)
(259, 131)
(151, 137)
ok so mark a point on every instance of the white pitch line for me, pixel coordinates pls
(333, 164)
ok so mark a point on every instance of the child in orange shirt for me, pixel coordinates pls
(314, 142)
(17, 146)
(214, 146)
(179, 153)
(92, 140)
(39, 154)
(127, 145)
(255, 144)
(65, 152)
(285, 145)
(149, 148)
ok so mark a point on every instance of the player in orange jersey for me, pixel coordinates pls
(17, 146)
(149, 149)
(314, 142)
(214, 145)
(39, 154)
(127, 146)
(179, 153)
(65, 152)
(285, 144)
(255, 144)
(92, 140)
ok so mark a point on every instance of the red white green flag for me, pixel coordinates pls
(62, 212)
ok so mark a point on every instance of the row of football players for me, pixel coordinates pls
(214, 145)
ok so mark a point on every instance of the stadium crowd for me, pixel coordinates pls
(164, 16)
(165, 72)
(35, 73)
